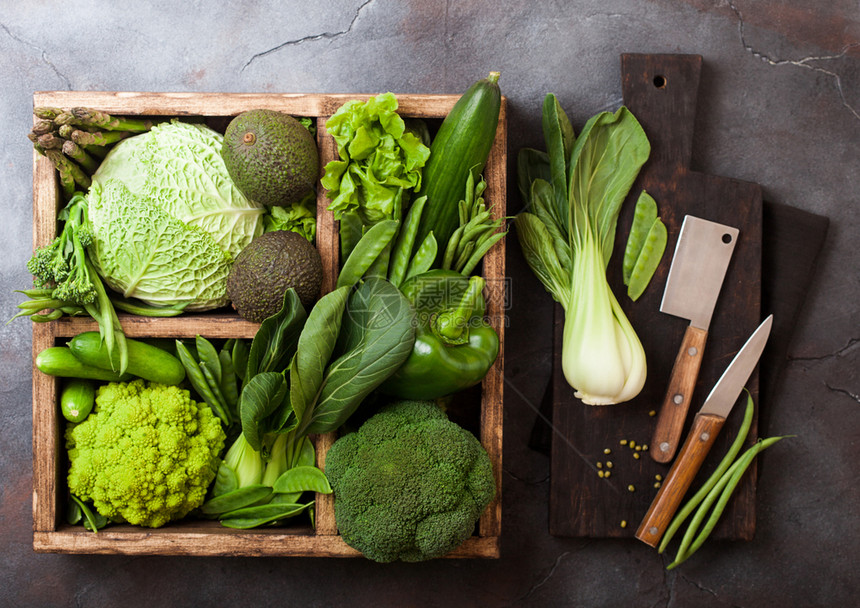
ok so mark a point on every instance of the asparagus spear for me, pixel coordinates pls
(85, 138)
(66, 167)
(49, 141)
(74, 151)
(46, 112)
(88, 116)
(43, 126)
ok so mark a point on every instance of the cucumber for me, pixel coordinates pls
(59, 361)
(77, 400)
(144, 360)
(462, 145)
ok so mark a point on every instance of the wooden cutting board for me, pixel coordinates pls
(661, 91)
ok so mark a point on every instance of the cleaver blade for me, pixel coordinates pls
(699, 265)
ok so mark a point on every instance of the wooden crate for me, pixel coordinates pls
(194, 537)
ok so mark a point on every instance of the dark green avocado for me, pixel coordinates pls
(271, 157)
(266, 268)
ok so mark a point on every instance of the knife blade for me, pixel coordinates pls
(706, 426)
(695, 279)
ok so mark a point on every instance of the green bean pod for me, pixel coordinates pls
(198, 381)
(480, 251)
(722, 489)
(725, 463)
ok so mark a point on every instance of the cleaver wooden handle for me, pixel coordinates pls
(679, 394)
(705, 429)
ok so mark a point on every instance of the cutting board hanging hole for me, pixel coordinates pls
(660, 81)
(727, 238)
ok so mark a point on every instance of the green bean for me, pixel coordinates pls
(648, 260)
(237, 499)
(725, 463)
(644, 215)
(470, 190)
(728, 491)
(36, 292)
(366, 251)
(423, 259)
(480, 251)
(302, 479)
(199, 383)
(51, 316)
(463, 212)
(451, 249)
(402, 252)
(723, 489)
(252, 517)
(464, 255)
(41, 304)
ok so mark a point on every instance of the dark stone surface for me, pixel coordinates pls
(779, 105)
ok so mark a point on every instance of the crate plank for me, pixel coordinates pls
(210, 538)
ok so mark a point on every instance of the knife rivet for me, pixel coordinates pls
(705, 436)
(693, 351)
(653, 530)
(664, 447)
(678, 399)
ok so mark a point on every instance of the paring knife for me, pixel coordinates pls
(706, 427)
(695, 278)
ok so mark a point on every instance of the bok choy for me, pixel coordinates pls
(574, 192)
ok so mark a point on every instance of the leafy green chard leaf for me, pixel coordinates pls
(263, 395)
(375, 339)
(315, 346)
(275, 342)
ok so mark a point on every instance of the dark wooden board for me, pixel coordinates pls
(661, 92)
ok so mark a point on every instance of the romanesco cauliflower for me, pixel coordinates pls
(146, 455)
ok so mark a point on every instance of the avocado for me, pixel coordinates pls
(271, 157)
(265, 269)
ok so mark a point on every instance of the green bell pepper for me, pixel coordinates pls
(454, 347)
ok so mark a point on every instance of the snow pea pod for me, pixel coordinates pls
(366, 251)
(253, 517)
(644, 216)
(302, 479)
(402, 252)
(237, 499)
(423, 259)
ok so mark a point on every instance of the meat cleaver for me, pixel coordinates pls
(695, 278)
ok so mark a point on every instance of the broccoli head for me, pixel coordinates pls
(146, 454)
(409, 484)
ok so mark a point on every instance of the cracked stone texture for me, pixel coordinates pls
(779, 105)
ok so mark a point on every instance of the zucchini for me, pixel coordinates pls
(77, 399)
(144, 360)
(59, 361)
(462, 145)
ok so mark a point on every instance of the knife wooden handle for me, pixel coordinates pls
(705, 429)
(679, 394)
